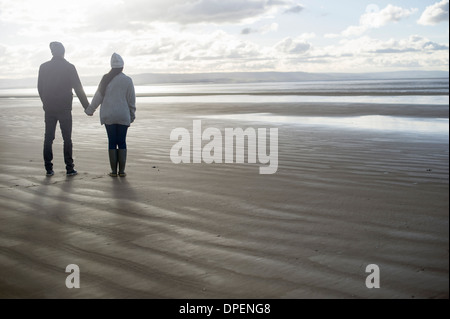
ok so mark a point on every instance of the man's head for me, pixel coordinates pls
(57, 49)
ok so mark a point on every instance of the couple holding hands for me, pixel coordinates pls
(115, 94)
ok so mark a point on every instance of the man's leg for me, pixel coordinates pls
(50, 127)
(65, 123)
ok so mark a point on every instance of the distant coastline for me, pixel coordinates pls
(239, 77)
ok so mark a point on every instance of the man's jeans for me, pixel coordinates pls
(65, 123)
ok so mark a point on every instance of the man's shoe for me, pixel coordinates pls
(50, 173)
(72, 173)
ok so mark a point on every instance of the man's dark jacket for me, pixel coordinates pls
(56, 80)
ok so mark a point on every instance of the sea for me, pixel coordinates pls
(422, 91)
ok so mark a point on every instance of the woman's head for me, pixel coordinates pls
(116, 68)
(116, 61)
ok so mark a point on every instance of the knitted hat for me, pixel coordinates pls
(116, 61)
(57, 49)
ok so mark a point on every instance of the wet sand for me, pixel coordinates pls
(340, 200)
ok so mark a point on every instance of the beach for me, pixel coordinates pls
(342, 198)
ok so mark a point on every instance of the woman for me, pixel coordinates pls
(116, 95)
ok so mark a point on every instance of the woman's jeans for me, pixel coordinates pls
(117, 135)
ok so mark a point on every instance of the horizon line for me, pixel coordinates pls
(254, 72)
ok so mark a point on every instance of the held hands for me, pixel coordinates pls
(86, 110)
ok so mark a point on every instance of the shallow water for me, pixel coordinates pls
(437, 126)
(402, 91)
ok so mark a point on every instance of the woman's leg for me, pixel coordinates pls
(122, 151)
(122, 136)
(111, 130)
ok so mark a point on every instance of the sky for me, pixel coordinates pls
(201, 36)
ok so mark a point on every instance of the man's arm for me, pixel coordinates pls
(78, 87)
(40, 83)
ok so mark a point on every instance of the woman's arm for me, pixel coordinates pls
(131, 99)
(96, 101)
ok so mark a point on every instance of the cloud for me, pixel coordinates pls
(215, 46)
(394, 50)
(248, 31)
(293, 46)
(20, 59)
(184, 12)
(171, 36)
(262, 30)
(376, 19)
(298, 45)
(217, 11)
(433, 46)
(435, 13)
(354, 30)
(372, 55)
(414, 43)
(32, 17)
(295, 9)
(381, 18)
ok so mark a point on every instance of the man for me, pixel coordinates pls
(56, 80)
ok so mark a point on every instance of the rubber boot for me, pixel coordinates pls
(113, 162)
(122, 155)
